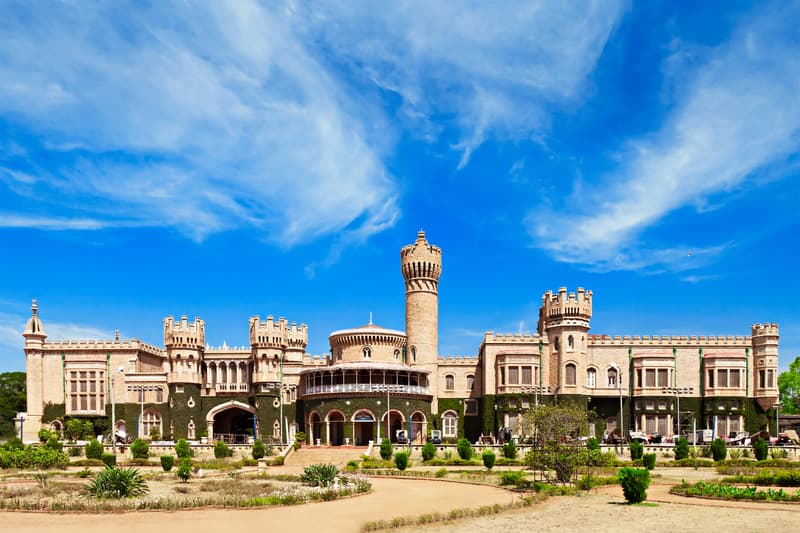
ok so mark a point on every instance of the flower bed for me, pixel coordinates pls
(732, 492)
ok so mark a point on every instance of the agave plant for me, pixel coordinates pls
(115, 482)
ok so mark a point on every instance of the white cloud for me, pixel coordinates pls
(203, 117)
(739, 112)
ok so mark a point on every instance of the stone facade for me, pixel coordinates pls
(378, 380)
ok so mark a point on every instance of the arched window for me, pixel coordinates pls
(612, 377)
(569, 374)
(556, 344)
(449, 382)
(159, 395)
(414, 353)
(449, 424)
(397, 354)
(367, 352)
(151, 423)
(591, 378)
(340, 355)
(470, 382)
(571, 342)
(276, 430)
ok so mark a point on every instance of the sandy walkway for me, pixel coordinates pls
(390, 498)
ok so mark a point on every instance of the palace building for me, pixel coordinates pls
(377, 380)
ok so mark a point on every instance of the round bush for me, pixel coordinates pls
(428, 451)
(93, 449)
(182, 449)
(109, 459)
(510, 450)
(167, 461)
(259, 449)
(320, 475)
(401, 460)
(386, 449)
(682, 449)
(488, 457)
(649, 460)
(719, 450)
(637, 450)
(140, 449)
(634, 483)
(221, 450)
(464, 449)
(184, 472)
(760, 449)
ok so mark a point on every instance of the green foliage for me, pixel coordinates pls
(464, 449)
(140, 449)
(54, 444)
(109, 459)
(75, 451)
(511, 477)
(115, 482)
(386, 449)
(789, 388)
(93, 449)
(85, 473)
(259, 449)
(428, 451)
(401, 460)
(649, 460)
(182, 449)
(634, 483)
(45, 435)
(731, 492)
(322, 475)
(719, 450)
(167, 462)
(14, 443)
(184, 471)
(760, 449)
(593, 444)
(29, 457)
(221, 450)
(778, 453)
(682, 449)
(299, 437)
(12, 400)
(510, 450)
(489, 458)
(154, 433)
(637, 450)
(783, 478)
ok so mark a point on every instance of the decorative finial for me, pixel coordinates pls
(34, 307)
(421, 235)
(116, 335)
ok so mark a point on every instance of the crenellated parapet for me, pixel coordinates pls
(765, 330)
(184, 334)
(279, 334)
(459, 360)
(316, 360)
(566, 305)
(104, 345)
(670, 340)
(509, 338)
(421, 265)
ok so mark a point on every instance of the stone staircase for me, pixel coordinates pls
(335, 455)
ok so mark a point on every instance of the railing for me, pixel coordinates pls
(366, 387)
(523, 389)
(229, 387)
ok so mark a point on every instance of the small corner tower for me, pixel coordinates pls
(184, 342)
(34, 373)
(564, 319)
(765, 364)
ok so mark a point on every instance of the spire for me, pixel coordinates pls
(421, 236)
(34, 327)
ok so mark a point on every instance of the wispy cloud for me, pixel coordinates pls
(203, 117)
(738, 112)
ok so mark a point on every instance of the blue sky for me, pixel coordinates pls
(230, 159)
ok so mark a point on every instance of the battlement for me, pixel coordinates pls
(460, 360)
(491, 336)
(421, 260)
(104, 345)
(277, 334)
(765, 329)
(670, 340)
(184, 333)
(315, 360)
(564, 304)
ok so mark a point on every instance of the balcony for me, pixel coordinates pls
(378, 388)
(226, 387)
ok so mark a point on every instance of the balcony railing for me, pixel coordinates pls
(365, 387)
(230, 387)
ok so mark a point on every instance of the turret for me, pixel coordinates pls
(184, 342)
(34, 330)
(765, 363)
(564, 319)
(34, 373)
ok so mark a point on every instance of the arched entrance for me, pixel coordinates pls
(315, 428)
(335, 421)
(418, 429)
(232, 422)
(363, 428)
(396, 422)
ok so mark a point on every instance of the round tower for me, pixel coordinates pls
(34, 373)
(564, 319)
(421, 265)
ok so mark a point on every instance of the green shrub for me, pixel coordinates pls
(54, 444)
(184, 471)
(760, 449)
(682, 449)
(259, 449)
(488, 457)
(637, 450)
(75, 451)
(386, 449)
(464, 449)
(115, 482)
(299, 437)
(649, 460)
(351, 466)
(719, 450)
(140, 449)
(83, 474)
(14, 444)
(778, 453)
(593, 444)
(735, 454)
(93, 449)
(182, 449)
(401, 460)
(428, 451)
(511, 477)
(510, 450)
(322, 475)
(30, 457)
(221, 450)
(167, 462)
(154, 433)
(634, 483)
(45, 435)
(109, 459)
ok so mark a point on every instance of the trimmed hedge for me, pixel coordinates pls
(634, 483)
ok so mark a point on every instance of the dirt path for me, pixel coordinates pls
(390, 498)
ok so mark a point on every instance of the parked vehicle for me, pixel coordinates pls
(639, 436)
(401, 436)
(436, 436)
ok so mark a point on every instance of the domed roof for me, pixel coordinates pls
(34, 325)
(368, 328)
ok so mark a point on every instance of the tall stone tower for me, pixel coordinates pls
(421, 265)
(34, 373)
(564, 318)
(185, 344)
(764, 371)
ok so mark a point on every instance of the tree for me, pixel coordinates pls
(12, 400)
(789, 387)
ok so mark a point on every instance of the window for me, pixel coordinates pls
(513, 375)
(711, 379)
(179, 389)
(734, 380)
(612, 377)
(527, 376)
(151, 422)
(639, 377)
(663, 377)
(662, 405)
(339, 355)
(367, 352)
(762, 382)
(571, 343)
(470, 382)
(722, 378)
(650, 377)
(569, 374)
(556, 344)
(771, 378)
(449, 424)
(396, 355)
(470, 407)
(591, 378)
(86, 391)
(449, 382)
(414, 353)
(276, 430)
(159, 395)
(502, 376)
